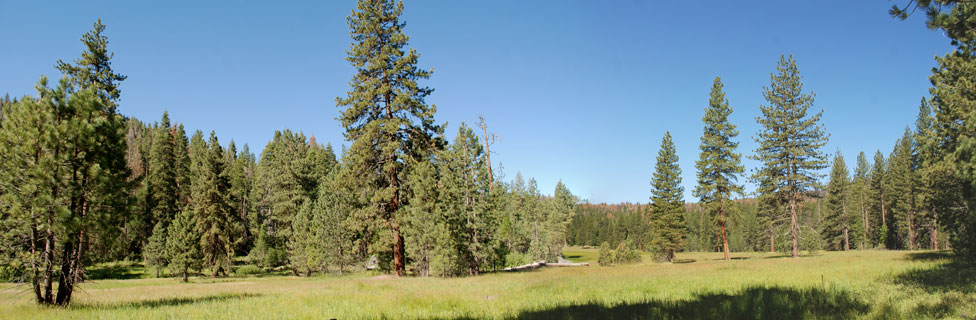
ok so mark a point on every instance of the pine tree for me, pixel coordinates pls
(860, 192)
(903, 196)
(334, 236)
(563, 206)
(181, 154)
(839, 221)
(424, 221)
(210, 203)
(284, 182)
(953, 92)
(155, 251)
(879, 192)
(65, 177)
(183, 244)
(302, 244)
(718, 164)
(94, 69)
(790, 141)
(533, 218)
(930, 189)
(385, 115)
(162, 174)
(667, 201)
(466, 197)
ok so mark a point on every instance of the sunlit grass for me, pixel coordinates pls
(828, 285)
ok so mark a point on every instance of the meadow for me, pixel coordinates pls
(824, 285)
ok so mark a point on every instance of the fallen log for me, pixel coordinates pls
(540, 264)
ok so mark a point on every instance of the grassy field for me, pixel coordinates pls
(831, 285)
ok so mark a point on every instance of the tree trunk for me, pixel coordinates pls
(725, 240)
(847, 240)
(935, 231)
(65, 283)
(794, 227)
(772, 238)
(867, 222)
(484, 131)
(725, 243)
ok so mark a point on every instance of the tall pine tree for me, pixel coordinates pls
(860, 196)
(718, 164)
(667, 201)
(385, 115)
(839, 221)
(789, 141)
(210, 203)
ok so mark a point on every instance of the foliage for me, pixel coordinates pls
(183, 244)
(667, 202)
(155, 253)
(607, 255)
(248, 270)
(718, 166)
(789, 142)
(385, 116)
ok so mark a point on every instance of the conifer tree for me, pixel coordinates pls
(210, 203)
(424, 223)
(155, 252)
(183, 244)
(718, 164)
(284, 181)
(879, 192)
(467, 201)
(667, 201)
(790, 141)
(903, 196)
(162, 174)
(334, 236)
(563, 206)
(65, 177)
(931, 188)
(181, 155)
(953, 92)
(385, 115)
(302, 244)
(860, 193)
(94, 69)
(839, 221)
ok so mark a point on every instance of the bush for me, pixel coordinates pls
(249, 270)
(606, 255)
(513, 259)
(625, 253)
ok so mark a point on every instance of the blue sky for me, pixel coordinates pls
(580, 91)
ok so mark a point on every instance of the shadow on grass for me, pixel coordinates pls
(751, 303)
(954, 282)
(118, 270)
(168, 302)
(929, 256)
(950, 276)
(683, 261)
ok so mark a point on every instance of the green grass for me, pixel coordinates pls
(831, 285)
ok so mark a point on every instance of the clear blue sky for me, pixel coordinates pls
(581, 91)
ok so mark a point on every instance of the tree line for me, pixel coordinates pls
(84, 184)
(915, 197)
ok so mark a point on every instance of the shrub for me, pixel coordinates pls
(248, 270)
(625, 253)
(606, 255)
(513, 259)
